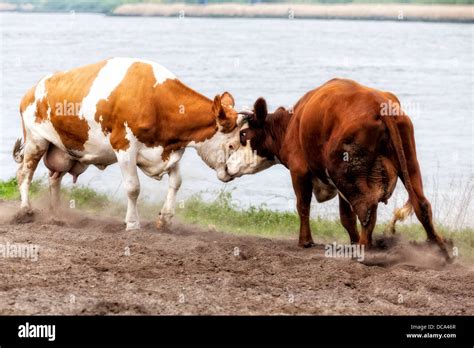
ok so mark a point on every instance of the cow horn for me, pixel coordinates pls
(247, 115)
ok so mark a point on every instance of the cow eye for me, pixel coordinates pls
(242, 134)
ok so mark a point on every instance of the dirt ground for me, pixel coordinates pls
(90, 265)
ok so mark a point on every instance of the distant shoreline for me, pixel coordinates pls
(450, 13)
(398, 12)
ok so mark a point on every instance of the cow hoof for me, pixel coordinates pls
(447, 257)
(25, 215)
(161, 224)
(133, 226)
(306, 245)
(163, 221)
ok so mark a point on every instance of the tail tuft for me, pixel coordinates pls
(18, 151)
(400, 214)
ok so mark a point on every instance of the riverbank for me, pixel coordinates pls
(221, 215)
(81, 261)
(397, 12)
(457, 13)
(86, 264)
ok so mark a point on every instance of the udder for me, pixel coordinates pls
(59, 162)
(323, 192)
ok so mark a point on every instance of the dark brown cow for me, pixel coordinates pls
(341, 139)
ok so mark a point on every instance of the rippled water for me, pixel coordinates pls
(427, 65)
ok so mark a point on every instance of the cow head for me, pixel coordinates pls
(216, 150)
(254, 154)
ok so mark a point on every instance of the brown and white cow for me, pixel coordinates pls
(340, 139)
(123, 110)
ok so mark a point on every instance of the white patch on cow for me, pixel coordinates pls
(107, 80)
(132, 139)
(216, 150)
(49, 112)
(97, 148)
(40, 90)
(241, 121)
(151, 162)
(44, 129)
(246, 161)
(161, 73)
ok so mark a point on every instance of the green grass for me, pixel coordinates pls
(84, 197)
(9, 189)
(225, 216)
(261, 221)
(254, 220)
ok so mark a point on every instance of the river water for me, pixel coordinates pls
(429, 66)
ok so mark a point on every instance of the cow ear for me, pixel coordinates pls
(217, 108)
(260, 109)
(227, 99)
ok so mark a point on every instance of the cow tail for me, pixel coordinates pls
(400, 214)
(18, 151)
(407, 209)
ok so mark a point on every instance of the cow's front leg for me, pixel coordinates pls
(368, 219)
(304, 190)
(127, 161)
(168, 209)
(348, 219)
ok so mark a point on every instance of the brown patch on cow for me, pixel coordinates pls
(170, 115)
(130, 103)
(28, 99)
(63, 100)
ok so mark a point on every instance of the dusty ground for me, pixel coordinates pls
(83, 268)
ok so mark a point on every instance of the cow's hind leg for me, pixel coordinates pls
(127, 161)
(168, 210)
(35, 148)
(348, 220)
(421, 205)
(424, 214)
